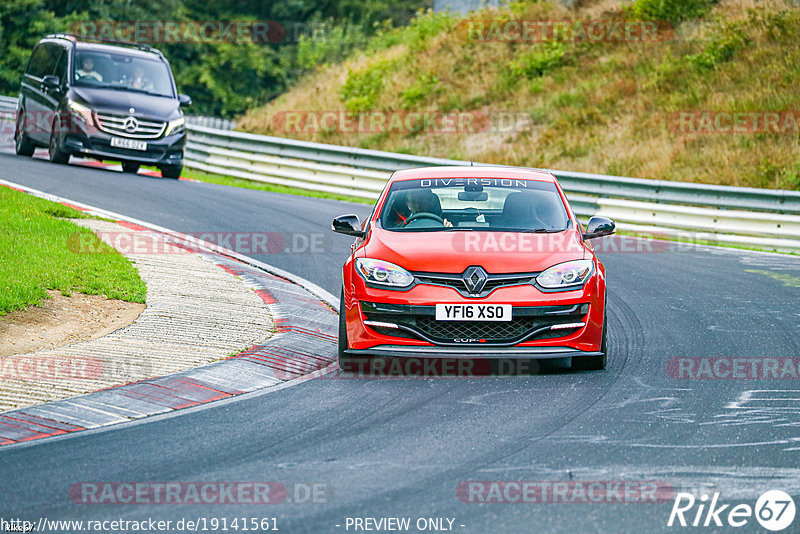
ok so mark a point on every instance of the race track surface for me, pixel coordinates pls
(402, 447)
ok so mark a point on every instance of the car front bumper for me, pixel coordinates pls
(367, 339)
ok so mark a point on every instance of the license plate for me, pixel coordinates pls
(473, 312)
(132, 144)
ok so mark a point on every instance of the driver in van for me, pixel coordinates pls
(87, 69)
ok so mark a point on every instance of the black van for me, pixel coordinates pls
(104, 101)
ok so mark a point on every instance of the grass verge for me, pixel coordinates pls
(36, 255)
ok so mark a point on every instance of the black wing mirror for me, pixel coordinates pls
(51, 82)
(348, 225)
(184, 100)
(599, 227)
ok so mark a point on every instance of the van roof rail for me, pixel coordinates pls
(75, 39)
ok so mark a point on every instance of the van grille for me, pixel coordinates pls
(128, 126)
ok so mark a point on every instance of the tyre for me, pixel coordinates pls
(346, 363)
(171, 171)
(22, 146)
(54, 147)
(594, 363)
(128, 166)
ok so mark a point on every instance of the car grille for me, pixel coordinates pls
(456, 281)
(420, 323)
(115, 124)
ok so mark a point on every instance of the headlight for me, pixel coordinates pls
(80, 111)
(566, 275)
(175, 126)
(383, 273)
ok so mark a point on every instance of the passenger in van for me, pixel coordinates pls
(139, 80)
(87, 69)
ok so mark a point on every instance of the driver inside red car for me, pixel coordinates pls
(424, 206)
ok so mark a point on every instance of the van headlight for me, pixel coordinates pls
(175, 126)
(383, 273)
(80, 111)
(567, 275)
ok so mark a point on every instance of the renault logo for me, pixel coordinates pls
(475, 279)
(130, 125)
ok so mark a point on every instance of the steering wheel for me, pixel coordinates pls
(424, 215)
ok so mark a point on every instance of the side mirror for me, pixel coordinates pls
(51, 82)
(599, 227)
(184, 100)
(348, 225)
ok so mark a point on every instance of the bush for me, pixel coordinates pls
(361, 89)
(426, 85)
(673, 11)
(542, 59)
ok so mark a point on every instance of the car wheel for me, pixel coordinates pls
(130, 167)
(594, 363)
(22, 146)
(171, 171)
(346, 363)
(54, 148)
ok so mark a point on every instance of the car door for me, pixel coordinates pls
(36, 102)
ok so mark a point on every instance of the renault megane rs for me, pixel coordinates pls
(473, 262)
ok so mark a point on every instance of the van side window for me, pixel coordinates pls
(43, 60)
(61, 67)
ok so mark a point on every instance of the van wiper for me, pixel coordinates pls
(538, 231)
(124, 88)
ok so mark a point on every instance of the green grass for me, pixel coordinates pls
(595, 106)
(220, 179)
(39, 251)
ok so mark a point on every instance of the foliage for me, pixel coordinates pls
(224, 78)
(673, 11)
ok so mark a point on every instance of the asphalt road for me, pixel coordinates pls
(401, 447)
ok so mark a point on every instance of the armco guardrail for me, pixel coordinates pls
(211, 122)
(742, 216)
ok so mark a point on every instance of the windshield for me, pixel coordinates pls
(122, 72)
(488, 204)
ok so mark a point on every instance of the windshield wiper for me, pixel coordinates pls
(123, 88)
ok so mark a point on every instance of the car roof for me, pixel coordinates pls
(109, 48)
(469, 171)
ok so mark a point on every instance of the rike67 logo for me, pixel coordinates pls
(774, 510)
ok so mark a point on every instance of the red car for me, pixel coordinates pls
(473, 262)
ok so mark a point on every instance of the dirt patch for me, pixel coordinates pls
(62, 321)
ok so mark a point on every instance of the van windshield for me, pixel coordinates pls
(122, 72)
(487, 204)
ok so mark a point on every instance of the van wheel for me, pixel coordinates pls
(171, 171)
(54, 148)
(128, 166)
(22, 146)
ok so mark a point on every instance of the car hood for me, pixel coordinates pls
(454, 251)
(111, 101)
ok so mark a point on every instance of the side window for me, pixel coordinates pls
(43, 60)
(61, 66)
(38, 61)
